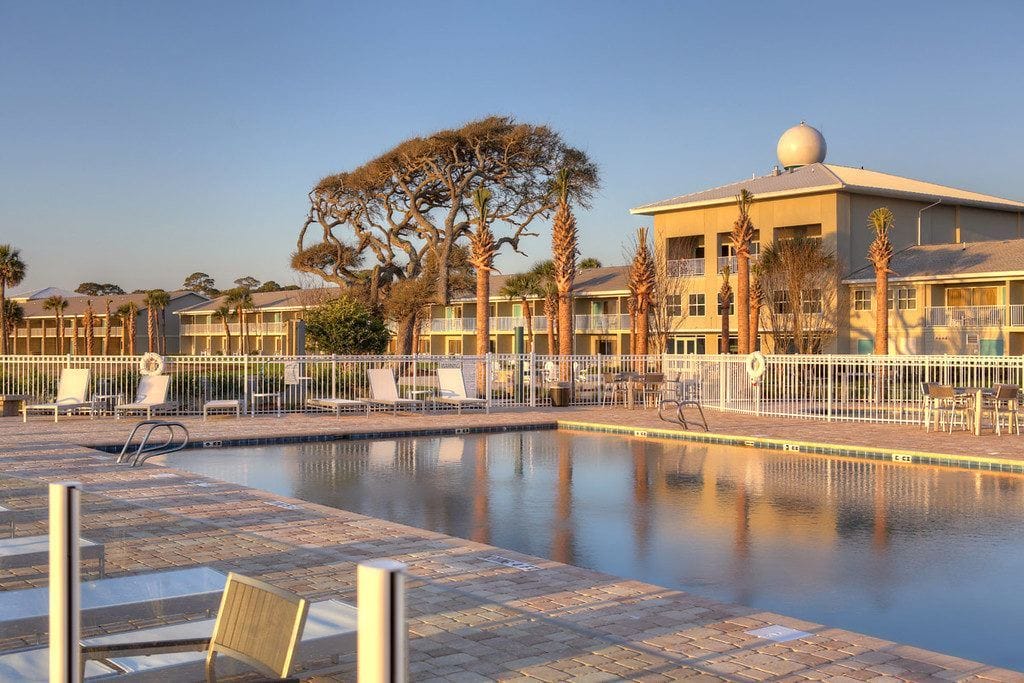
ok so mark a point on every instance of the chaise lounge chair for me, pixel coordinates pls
(151, 395)
(452, 390)
(336, 405)
(72, 393)
(384, 391)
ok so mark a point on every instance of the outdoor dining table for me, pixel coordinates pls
(977, 395)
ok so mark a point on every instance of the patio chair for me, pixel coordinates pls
(949, 404)
(338, 404)
(1003, 400)
(258, 624)
(652, 388)
(72, 394)
(151, 395)
(384, 391)
(613, 388)
(452, 390)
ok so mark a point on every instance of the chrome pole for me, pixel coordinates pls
(65, 593)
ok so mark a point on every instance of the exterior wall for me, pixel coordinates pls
(270, 333)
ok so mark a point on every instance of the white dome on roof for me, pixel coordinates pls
(801, 145)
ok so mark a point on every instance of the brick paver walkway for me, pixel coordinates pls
(471, 619)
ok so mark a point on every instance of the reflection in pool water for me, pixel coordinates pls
(921, 555)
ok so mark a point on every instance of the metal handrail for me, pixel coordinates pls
(144, 450)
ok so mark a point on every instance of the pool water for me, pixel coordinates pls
(925, 556)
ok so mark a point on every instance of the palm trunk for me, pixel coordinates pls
(150, 329)
(106, 331)
(723, 346)
(74, 336)
(163, 331)
(881, 310)
(755, 318)
(528, 314)
(3, 316)
(241, 332)
(551, 313)
(483, 311)
(743, 301)
(565, 326)
(642, 331)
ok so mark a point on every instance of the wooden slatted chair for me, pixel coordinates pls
(258, 624)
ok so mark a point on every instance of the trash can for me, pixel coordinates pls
(560, 394)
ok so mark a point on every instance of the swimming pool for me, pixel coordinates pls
(925, 556)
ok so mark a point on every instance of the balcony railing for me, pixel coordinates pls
(1017, 315)
(508, 323)
(602, 322)
(730, 261)
(685, 267)
(252, 328)
(965, 316)
(453, 324)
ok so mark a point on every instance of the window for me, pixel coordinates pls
(454, 347)
(695, 304)
(862, 299)
(685, 345)
(780, 302)
(605, 347)
(673, 305)
(424, 345)
(972, 296)
(903, 298)
(810, 301)
(732, 305)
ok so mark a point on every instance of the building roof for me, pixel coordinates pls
(974, 260)
(289, 300)
(589, 282)
(44, 293)
(77, 303)
(822, 177)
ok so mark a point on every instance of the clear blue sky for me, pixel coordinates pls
(142, 141)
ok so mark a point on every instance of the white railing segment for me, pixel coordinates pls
(884, 389)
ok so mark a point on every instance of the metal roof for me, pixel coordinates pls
(951, 262)
(822, 177)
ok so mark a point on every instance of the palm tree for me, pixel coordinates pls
(13, 315)
(241, 299)
(724, 302)
(881, 221)
(89, 321)
(564, 251)
(57, 304)
(589, 262)
(742, 236)
(224, 313)
(155, 301)
(756, 300)
(127, 313)
(545, 272)
(483, 249)
(523, 287)
(12, 272)
(74, 335)
(106, 328)
(642, 290)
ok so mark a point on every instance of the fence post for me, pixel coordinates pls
(533, 378)
(488, 373)
(334, 376)
(382, 636)
(245, 382)
(829, 387)
(65, 594)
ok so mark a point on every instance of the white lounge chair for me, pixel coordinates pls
(338, 404)
(31, 551)
(72, 394)
(452, 390)
(384, 391)
(151, 395)
(138, 596)
(329, 633)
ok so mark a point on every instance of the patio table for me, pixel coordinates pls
(976, 394)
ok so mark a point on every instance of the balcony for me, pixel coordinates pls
(968, 316)
(510, 323)
(730, 261)
(686, 267)
(252, 329)
(602, 323)
(453, 324)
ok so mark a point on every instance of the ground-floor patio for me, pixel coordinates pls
(470, 618)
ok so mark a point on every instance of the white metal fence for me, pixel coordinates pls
(833, 387)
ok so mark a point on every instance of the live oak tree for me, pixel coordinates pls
(201, 283)
(98, 289)
(374, 226)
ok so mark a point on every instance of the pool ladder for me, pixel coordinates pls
(145, 451)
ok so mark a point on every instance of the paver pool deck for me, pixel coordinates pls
(470, 618)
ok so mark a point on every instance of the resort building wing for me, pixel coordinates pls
(831, 203)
